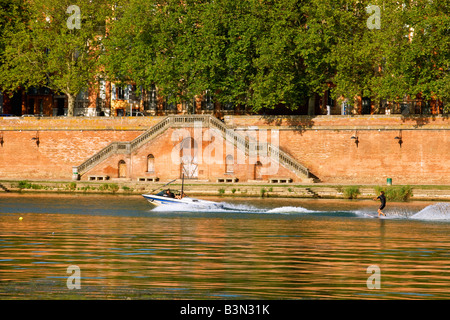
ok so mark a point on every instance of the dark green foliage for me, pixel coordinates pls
(255, 54)
(351, 192)
(396, 193)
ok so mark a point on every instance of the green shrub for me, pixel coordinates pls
(85, 188)
(24, 185)
(72, 186)
(27, 185)
(221, 191)
(113, 187)
(395, 193)
(109, 186)
(351, 192)
(262, 192)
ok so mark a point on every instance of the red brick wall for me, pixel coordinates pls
(343, 122)
(58, 151)
(78, 123)
(424, 156)
(325, 147)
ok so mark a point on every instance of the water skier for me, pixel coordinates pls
(382, 198)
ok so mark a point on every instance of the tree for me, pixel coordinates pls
(425, 55)
(406, 57)
(52, 50)
(12, 12)
(242, 51)
(229, 31)
(264, 53)
(152, 42)
(292, 53)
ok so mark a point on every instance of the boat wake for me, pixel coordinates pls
(225, 207)
(438, 211)
(435, 212)
(290, 209)
(212, 208)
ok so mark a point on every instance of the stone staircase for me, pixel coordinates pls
(241, 142)
(2, 187)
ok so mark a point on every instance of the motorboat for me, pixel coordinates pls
(167, 197)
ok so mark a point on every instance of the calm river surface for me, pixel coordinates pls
(252, 249)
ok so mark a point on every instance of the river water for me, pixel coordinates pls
(118, 247)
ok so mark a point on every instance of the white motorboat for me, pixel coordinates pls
(166, 197)
(162, 198)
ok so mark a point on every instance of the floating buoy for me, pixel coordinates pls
(20, 218)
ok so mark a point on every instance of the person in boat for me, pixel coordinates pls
(169, 194)
(180, 196)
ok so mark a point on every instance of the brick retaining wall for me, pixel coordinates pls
(323, 144)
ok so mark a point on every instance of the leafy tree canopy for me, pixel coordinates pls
(47, 49)
(255, 53)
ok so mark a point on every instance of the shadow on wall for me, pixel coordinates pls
(298, 123)
(422, 120)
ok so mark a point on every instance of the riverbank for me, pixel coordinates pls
(256, 189)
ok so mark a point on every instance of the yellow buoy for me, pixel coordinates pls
(20, 218)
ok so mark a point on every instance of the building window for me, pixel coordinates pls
(151, 163)
(1, 102)
(102, 89)
(169, 104)
(120, 93)
(186, 107)
(229, 164)
(366, 105)
(152, 101)
(41, 106)
(133, 93)
(207, 102)
(30, 109)
(228, 106)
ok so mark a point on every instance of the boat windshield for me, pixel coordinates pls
(166, 193)
(171, 194)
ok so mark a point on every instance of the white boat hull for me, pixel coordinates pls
(167, 201)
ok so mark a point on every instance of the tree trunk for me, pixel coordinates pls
(70, 105)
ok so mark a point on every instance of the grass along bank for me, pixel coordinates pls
(201, 188)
